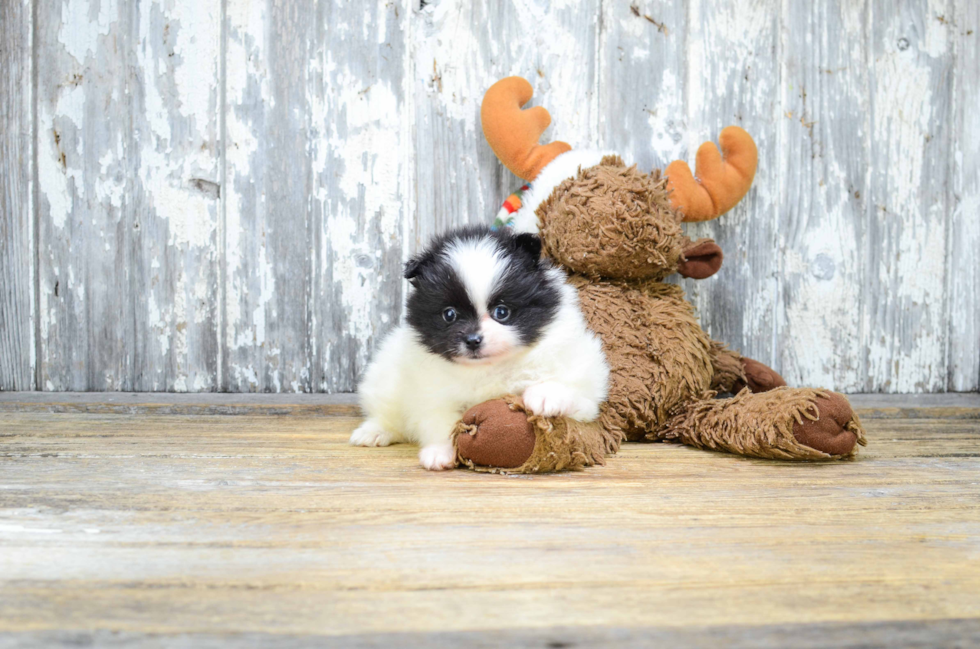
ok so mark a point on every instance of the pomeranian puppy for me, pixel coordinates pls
(486, 317)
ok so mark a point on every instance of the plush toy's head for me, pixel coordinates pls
(598, 217)
(613, 221)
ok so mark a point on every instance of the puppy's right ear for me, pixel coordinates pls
(530, 244)
(413, 268)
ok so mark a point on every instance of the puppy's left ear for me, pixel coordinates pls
(413, 268)
(530, 244)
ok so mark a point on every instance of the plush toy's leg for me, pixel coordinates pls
(734, 372)
(499, 436)
(784, 423)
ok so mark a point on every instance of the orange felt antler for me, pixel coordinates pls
(513, 133)
(722, 179)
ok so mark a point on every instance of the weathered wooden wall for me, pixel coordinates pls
(218, 194)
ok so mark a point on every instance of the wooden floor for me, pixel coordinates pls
(200, 530)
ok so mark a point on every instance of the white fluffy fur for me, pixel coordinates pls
(479, 264)
(564, 166)
(412, 395)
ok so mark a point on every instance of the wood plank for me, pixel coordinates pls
(252, 608)
(733, 78)
(936, 633)
(363, 180)
(268, 231)
(127, 177)
(823, 195)
(318, 183)
(222, 525)
(916, 401)
(157, 403)
(17, 251)
(642, 83)
(876, 406)
(962, 269)
(904, 309)
(461, 49)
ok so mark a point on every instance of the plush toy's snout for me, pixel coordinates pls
(701, 260)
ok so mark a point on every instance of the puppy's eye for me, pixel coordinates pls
(501, 313)
(449, 314)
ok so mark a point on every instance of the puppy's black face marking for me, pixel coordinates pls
(530, 297)
(532, 302)
(437, 288)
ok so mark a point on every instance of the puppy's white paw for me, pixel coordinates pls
(371, 434)
(438, 456)
(552, 399)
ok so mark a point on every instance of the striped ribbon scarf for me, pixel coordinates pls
(505, 215)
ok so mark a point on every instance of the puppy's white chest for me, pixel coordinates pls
(495, 384)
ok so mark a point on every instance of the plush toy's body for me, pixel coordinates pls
(617, 232)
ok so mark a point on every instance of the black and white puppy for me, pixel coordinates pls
(486, 317)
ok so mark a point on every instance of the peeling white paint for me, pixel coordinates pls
(369, 150)
(452, 69)
(667, 121)
(267, 289)
(246, 63)
(197, 45)
(963, 269)
(110, 184)
(60, 182)
(158, 324)
(906, 345)
(359, 160)
(936, 41)
(82, 24)
(126, 129)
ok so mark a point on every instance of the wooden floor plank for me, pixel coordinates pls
(965, 405)
(928, 633)
(215, 525)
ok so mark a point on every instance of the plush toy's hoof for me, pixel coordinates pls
(830, 432)
(758, 377)
(502, 437)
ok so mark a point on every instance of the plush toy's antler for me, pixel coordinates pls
(722, 179)
(513, 133)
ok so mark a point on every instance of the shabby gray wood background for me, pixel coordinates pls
(218, 194)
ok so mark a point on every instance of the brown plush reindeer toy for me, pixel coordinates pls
(617, 232)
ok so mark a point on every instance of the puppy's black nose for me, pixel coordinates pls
(473, 341)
